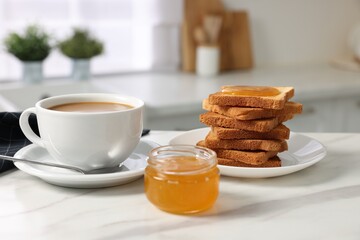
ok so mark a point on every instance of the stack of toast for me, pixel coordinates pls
(246, 123)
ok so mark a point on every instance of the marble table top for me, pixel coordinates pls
(320, 202)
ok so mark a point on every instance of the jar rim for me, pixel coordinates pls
(159, 155)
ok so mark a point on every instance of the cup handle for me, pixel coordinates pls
(25, 127)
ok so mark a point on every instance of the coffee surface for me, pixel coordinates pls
(91, 107)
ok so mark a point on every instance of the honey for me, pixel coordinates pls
(250, 91)
(182, 179)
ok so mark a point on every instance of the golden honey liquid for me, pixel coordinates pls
(180, 192)
(250, 91)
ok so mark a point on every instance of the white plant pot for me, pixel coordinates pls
(32, 72)
(81, 69)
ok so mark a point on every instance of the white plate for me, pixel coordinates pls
(132, 168)
(302, 153)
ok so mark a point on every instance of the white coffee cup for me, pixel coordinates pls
(88, 140)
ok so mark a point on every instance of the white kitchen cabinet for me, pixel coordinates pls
(318, 116)
(181, 122)
(351, 109)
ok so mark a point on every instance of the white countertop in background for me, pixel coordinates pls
(167, 90)
(320, 202)
(183, 92)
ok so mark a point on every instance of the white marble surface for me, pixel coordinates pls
(321, 202)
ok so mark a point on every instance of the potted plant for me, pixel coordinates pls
(81, 47)
(32, 48)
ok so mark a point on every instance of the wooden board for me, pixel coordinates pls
(235, 42)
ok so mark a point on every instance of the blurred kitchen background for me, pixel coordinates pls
(151, 50)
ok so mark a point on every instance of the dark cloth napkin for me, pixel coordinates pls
(12, 139)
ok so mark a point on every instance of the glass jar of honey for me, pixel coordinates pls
(182, 179)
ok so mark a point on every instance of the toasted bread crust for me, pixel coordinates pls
(248, 157)
(250, 113)
(211, 141)
(272, 162)
(280, 132)
(259, 125)
(275, 102)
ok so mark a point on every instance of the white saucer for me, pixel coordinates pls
(132, 168)
(302, 153)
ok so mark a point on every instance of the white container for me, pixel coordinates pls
(32, 72)
(81, 69)
(207, 61)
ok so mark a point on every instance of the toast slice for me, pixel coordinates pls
(272, 162)
(211, 141)
(270, 102)
(258, 125)
(280, 132)
(248, 157)
(250, 113)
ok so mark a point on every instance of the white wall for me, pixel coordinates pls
(289, 32)
(156, 32)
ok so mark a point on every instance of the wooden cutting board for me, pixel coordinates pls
(235, 43)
